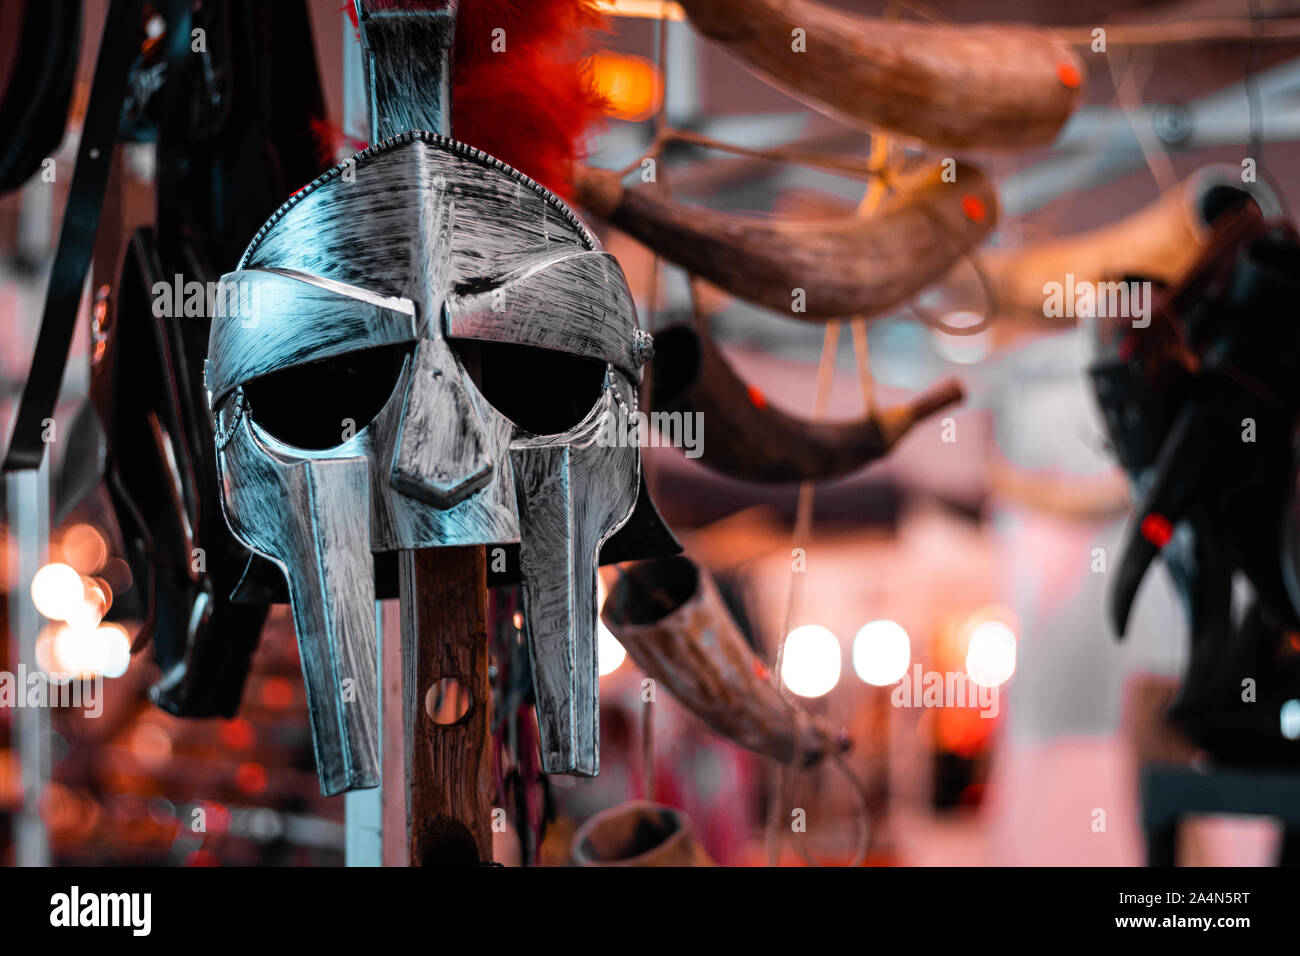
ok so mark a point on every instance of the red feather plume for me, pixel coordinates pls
(533, 103)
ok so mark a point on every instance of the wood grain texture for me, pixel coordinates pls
(444, 635)
(851, 266)
(672, 621)
(997, 85)
(747, 438)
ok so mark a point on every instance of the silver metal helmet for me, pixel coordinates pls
(482, 336)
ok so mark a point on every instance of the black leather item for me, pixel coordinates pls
(119, 47)
(233, 126)
(1202, 409)
(162, 487)
(234, 137)
(39, 43)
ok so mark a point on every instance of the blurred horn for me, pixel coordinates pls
(811, 269)
(638, 834)
(998, 85)
(751, 440)
(1160, 241)
(669, 616)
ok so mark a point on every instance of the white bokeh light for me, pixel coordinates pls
(115, 649)
(609, 652)
(991, 655)
(1291, 719)
(881, 652)
(810, 663)
(85, 614)
(68, 653)
(57, 591)
(76, 652)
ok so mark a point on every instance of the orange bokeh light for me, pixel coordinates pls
(631, 85)
(84, 548)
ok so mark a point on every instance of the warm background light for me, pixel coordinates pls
(644, 9)
(631, 85)
(84, 548)
(116, 649)
(86, 614)
(881, 652)
(105, 651)
(810, 663)
(609, 652)
(65, 653)
(991, 656)
(57, 591)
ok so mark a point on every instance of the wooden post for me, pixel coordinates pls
(444, 768)
(447, 765)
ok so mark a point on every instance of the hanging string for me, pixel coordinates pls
(1130, 100)
(863, 817)
(802, 528)
(1253, 105)
(877, 157)
(872, 198)
(660, 178)
(807, 488)
(1255, 108)
(844, 165)
(647, 397)
(1050, 225)
(862, 357)
(1186, 31)
(648, 749)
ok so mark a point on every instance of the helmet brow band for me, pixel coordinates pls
(266, 320)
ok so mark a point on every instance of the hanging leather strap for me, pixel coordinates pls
(117, 50)
(42, 53)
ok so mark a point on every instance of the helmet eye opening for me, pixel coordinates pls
(321, 404)
(544, 392)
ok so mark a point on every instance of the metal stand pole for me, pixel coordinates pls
(27, 494)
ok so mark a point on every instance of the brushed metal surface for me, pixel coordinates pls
(417, 239)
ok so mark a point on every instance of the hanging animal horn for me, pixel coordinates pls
(811, 270)
(669, 616)
(638, 834)
(751, 440)
(1160, 241)
(963, 85)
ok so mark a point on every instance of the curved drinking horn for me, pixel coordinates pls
(638, 833)
(811, 269)
(749, 439)
(669, 616)
(999, 85)
(1160, 241)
